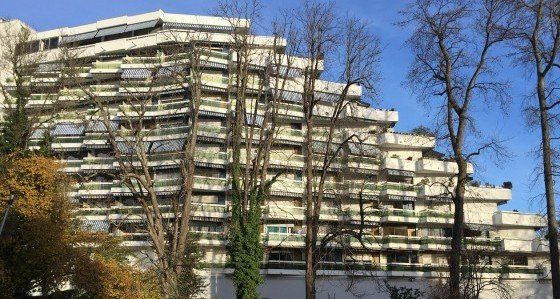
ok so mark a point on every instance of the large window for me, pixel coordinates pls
(280, 256)
(402, 257)
(277, 229)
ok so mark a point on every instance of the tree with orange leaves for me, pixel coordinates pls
(42, 249)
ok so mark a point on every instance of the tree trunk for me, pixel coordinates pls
(549, 189)
(310, 242)
(457, 234)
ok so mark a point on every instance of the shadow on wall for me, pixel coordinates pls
(282, 286)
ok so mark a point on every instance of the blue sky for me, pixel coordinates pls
(381, 14)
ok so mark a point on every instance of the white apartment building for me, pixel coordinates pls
(409, 213)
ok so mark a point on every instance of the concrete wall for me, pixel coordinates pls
(292, 286)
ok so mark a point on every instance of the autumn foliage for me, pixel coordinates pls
(42, 247)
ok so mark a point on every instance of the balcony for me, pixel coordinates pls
(473, 215)
(97, 140)
(401, 242)
(67, 143)
(211, 157)
(371, 114)
(284, 240)
(405, 269)
(106, 67)
(382, 188)
(70, 166)
(290, 110)
(398, 164)
(209, 210)
(432, 166)
(98, 163)
(400, 140)
(173, 185)
(41, 100)
(149, 88)
(95, 189)
(212, 131)
(540, 245)
(517, 245)
(497, 194)
(283, 212)
(322, 134)
(151, 110)
(290, 135)
(287, 186)
(398, 189)
(214, 106)
(399, 216)
(210, 183)
(503, 218)
(287, 159)
(211, 238)
(105, 90)
(363, 163)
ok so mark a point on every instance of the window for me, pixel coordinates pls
(333, 256)
(276, 229)
(34, 46)
(402, 257)
(280, 256)
(53, 43)
(298, 176)
(519, 260)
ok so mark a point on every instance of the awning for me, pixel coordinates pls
(214, 64)
(364, 196)
(171, 70)
(254, 120)
(397, 172)
(210, 165)
(99, 126)
(327, 97)
(67, 129)
(175, 25)
(78, 37)
(286, 194)
(143, 25)
(290, 96)
(361, 149)
(38, 134)
(111, 30)
(284, 71)
(136, 73)
(49, 67)
(173, 91)
(96, 225)
(212, 113)
(213, 88)
(209, 139)
(391, 197)
(153, 146)
(67, 149)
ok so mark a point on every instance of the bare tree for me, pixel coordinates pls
(26, 79)
(323, 108)
(453, 43)
(483, 272)
(177, 67)
(259, 74)
(537, 48)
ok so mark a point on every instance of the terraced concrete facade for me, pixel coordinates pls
(408, 214)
